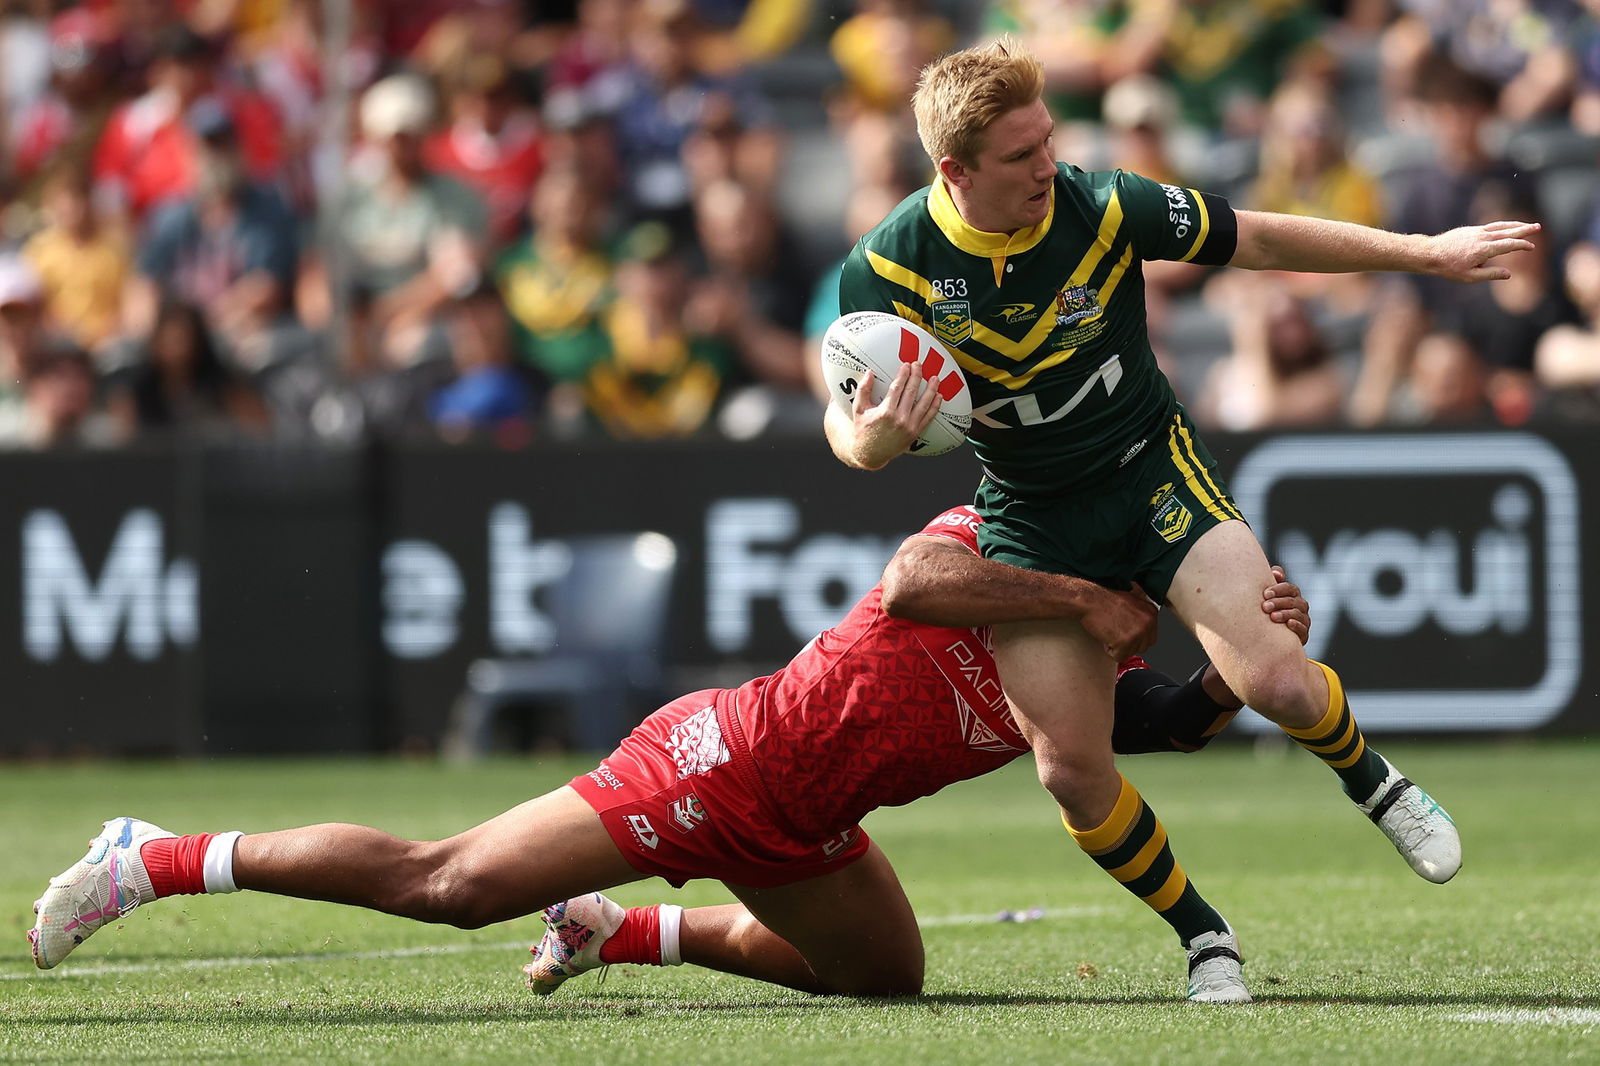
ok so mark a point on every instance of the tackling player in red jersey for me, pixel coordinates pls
(761, 787)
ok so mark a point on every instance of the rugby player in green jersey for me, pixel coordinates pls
(1029, 271)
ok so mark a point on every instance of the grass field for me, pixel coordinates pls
(1352, 958)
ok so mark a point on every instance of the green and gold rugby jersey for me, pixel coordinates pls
(1049, 322)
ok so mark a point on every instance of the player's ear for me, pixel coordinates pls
(955, 172)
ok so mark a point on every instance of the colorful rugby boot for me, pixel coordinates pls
(574, 933)
(101, 887)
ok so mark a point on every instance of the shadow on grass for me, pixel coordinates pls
(567, 1010)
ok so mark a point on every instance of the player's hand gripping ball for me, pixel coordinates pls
(880, 342)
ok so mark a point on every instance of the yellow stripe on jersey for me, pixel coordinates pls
(1195, 474)
(905, 277)
(1018, 350)
(1062, 356)
(1204, 226)
(907, 313)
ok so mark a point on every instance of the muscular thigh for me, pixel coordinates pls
(1060, 683)
(854, 927)
(1216, 593)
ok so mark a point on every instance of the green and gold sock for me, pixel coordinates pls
(1131, 846)
(1337, 741)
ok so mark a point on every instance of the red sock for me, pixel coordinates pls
(176, 865)
(637, 939)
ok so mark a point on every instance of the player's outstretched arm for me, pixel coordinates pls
(1269, 241)
(940, 582)
(869, 435)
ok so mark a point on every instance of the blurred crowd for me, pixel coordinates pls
(519, 219)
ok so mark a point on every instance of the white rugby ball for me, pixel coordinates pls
(881, 342)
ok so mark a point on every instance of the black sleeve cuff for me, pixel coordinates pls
(1222, 236)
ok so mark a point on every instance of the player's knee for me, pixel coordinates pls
(1280, 690)
(1079, 784)
(442, 888)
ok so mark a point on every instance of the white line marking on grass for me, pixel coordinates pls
(233, 961)
(1548, 1016)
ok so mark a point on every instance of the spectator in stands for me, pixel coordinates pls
(1222, 58)
(742, 32)
(82, 261)
(493, 143)
(666, 101)
(1281, 372)
(61, 127)
(180, 386)
(489, 395)
(414, 238)
(1306, 168)
(148, 152)
(1567, 360)
(753, 289)
(1457, 107)
(589, 73)
(1447, 384)
(557, 284)
(26, 341)
(1584, 44)
(229, 248)
(662, 376)
(60, 406)
(1519, 46)
(882, 48)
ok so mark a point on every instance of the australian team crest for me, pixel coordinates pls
(1169, 516)
(1076, 303)
(952, 320)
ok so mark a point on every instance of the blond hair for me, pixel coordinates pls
(959, 95)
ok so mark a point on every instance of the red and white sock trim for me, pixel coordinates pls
(671, 918)
(217, 867)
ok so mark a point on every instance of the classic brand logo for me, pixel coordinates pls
(1442, 570)
(1076, 303)
(952, 320)
(1016, 314)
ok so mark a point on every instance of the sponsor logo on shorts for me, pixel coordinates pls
(688, 813)
(834, 845)
(604, 778)
(643, 831)
(1169, 516)
(1127, 456)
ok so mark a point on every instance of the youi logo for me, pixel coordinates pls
(1442, 570)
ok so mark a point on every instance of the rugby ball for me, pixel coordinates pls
(881, 342)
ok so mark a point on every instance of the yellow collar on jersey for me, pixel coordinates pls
(974, 241)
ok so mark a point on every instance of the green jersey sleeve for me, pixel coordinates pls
(860, 287)
(1171, 222)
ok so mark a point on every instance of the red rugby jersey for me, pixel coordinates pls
(875, 712)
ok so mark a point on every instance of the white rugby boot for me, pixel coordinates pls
(574, 932)
(1216, 972)
(107, 883)
(1418, 827)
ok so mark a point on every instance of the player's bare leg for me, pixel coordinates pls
(538, 853)
(1106, 816)
(1217, 593)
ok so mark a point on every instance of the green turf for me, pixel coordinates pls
(1352, 958)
